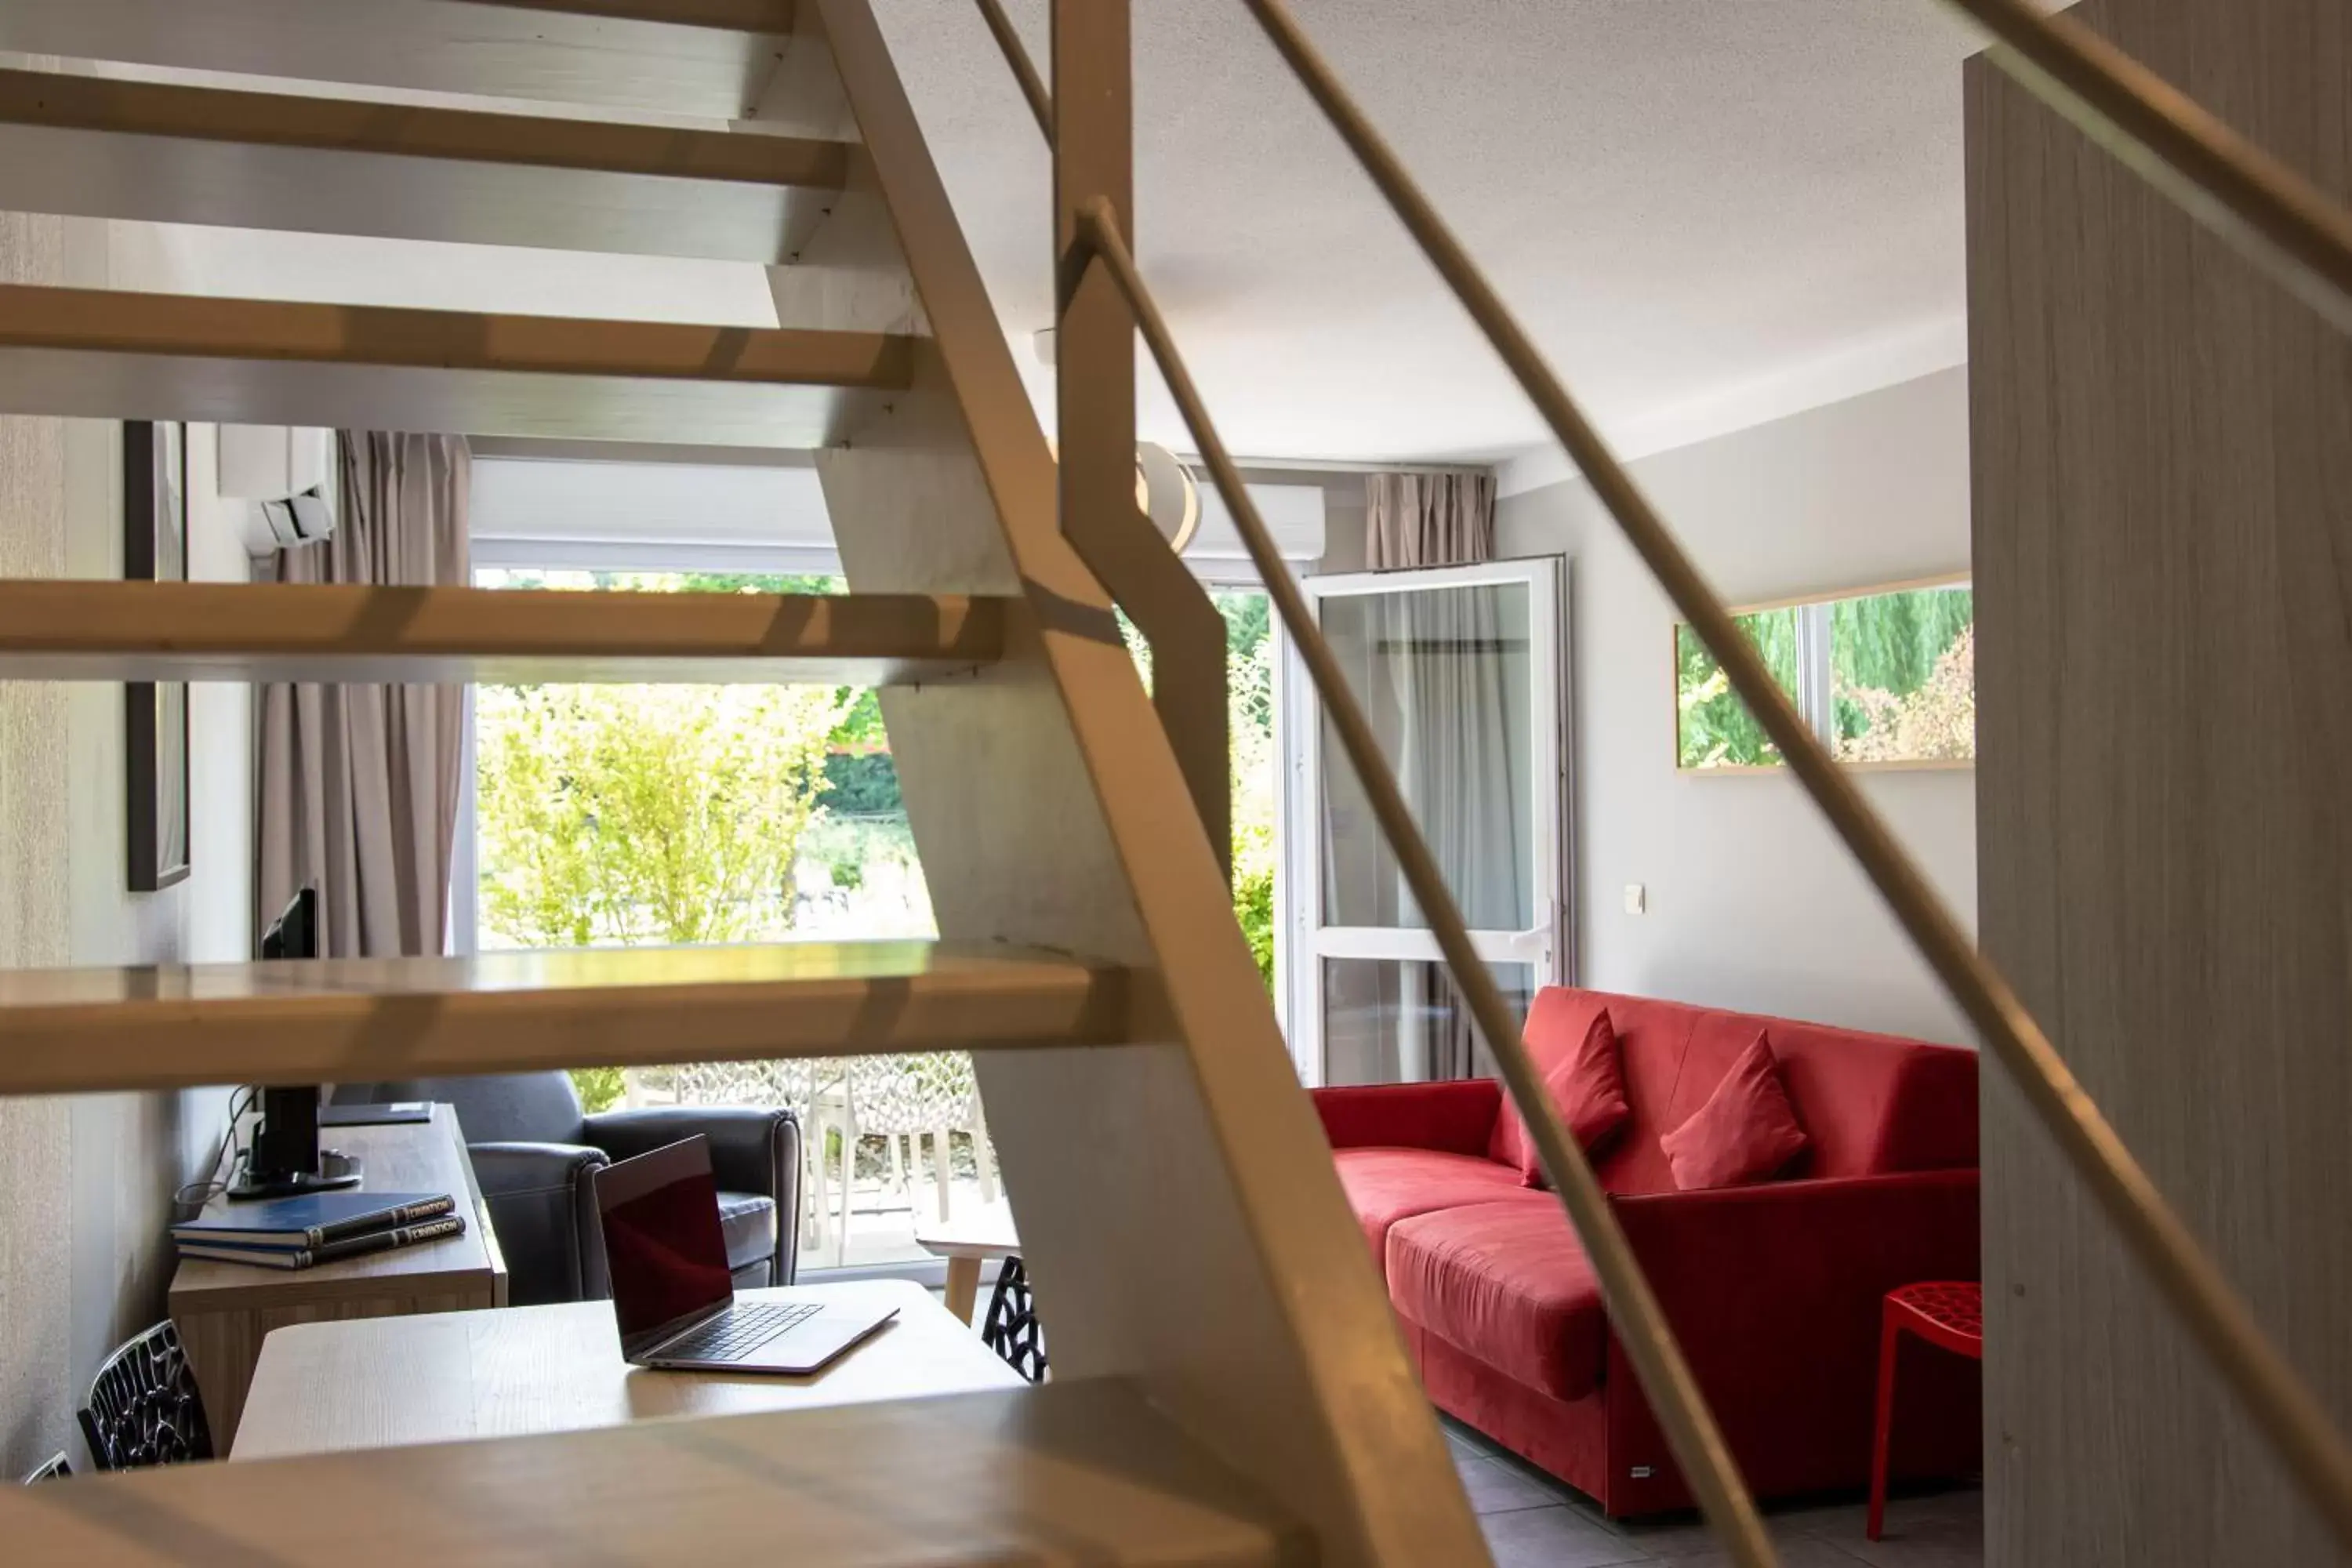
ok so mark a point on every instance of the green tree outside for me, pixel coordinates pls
(621, 816)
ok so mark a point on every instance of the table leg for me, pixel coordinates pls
(963, 1285)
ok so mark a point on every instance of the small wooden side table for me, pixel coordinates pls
(967, 1242)
(224, 1309)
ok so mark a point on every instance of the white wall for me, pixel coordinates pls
(107, 1163)
(1751, 901)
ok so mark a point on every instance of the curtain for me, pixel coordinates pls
(1428, 519)
(358, 785)
(1448, 661)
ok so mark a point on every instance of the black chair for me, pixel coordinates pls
(534, 1151)
(143, 1407)
(1012, 1329)
(56, 1467)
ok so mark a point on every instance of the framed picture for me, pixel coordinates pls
(155, 549)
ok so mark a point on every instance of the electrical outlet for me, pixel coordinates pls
(1637, 898)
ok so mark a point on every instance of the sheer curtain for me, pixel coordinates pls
(358, 785)
(1447, 654)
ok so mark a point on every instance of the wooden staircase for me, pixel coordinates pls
(1229, 1387)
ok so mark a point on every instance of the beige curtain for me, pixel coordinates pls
(358, 785)
(1457, 760)
(1428, 519)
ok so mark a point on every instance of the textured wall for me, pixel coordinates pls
(2163, 481)
(35, 1416)
(86, 1181)
(1751, 901)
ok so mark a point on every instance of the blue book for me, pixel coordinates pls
(331, 1252)
(296, 1223)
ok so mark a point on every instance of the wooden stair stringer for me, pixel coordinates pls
(1179, 1206)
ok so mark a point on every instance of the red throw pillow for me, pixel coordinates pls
(1746, 1130)
(1588, 1086)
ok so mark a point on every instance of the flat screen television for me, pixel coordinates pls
(285, 1160)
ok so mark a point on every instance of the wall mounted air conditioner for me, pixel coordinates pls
(287, 472)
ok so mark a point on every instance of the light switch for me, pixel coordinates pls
(1637, 898)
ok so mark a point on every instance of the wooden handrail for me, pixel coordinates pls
(2297, 1427)
(1633, 1311)
(1024, 72)
(2268, 212)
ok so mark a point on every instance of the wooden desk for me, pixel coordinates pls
(390, 1382)
(226, 1310)
(967, 1242)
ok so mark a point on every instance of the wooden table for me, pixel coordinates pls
(389, 1381)
(226, 1310)
(967, 1243)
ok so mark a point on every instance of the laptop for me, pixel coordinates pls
(672, 1292)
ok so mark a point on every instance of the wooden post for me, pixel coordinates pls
(1095, 350)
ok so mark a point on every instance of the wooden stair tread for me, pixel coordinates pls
(354, 1020)
(112, 353)
(224, 631)
(98, 147)
(1067, 1473)
(704, 57)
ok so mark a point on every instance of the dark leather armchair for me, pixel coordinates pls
(534, 1149)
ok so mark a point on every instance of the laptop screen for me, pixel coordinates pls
(661, 1243)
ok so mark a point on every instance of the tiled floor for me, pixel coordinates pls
(1533, 1521)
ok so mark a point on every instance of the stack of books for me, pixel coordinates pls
(300, 1233)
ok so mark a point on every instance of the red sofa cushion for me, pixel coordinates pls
(1506, 1282)
(1587, 1084)
(1746, 1130)
(1650, 1040)
(1385, 1186)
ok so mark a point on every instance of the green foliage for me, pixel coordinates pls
(861, 783)
(1249, 715)
(1714, 727)
(1253, 907)
(645, 814)
(1885, 647)
(1935, 722)
(600, 1089)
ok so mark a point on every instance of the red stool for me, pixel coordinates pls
(1946, 1313)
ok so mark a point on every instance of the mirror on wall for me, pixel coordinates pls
(1885, 676)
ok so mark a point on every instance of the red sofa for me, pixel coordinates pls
(1773, 1290)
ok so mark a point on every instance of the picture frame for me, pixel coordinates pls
(155, 549)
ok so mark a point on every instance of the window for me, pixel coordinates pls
(607, 815)
(1886, 678)
(610, 815)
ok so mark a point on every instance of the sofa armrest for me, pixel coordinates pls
(753, 1149)
(1454, 1116)
(543, 1207)
(1774, 1293)
(528, 1169)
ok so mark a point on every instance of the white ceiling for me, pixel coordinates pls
(1708, 212)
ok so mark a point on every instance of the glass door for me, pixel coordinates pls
(1460, 669)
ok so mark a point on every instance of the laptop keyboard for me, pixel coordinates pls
(745, 1328)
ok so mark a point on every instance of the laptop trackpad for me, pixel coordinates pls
(808, 1346)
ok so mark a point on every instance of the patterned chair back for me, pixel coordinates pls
(144, 1406)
